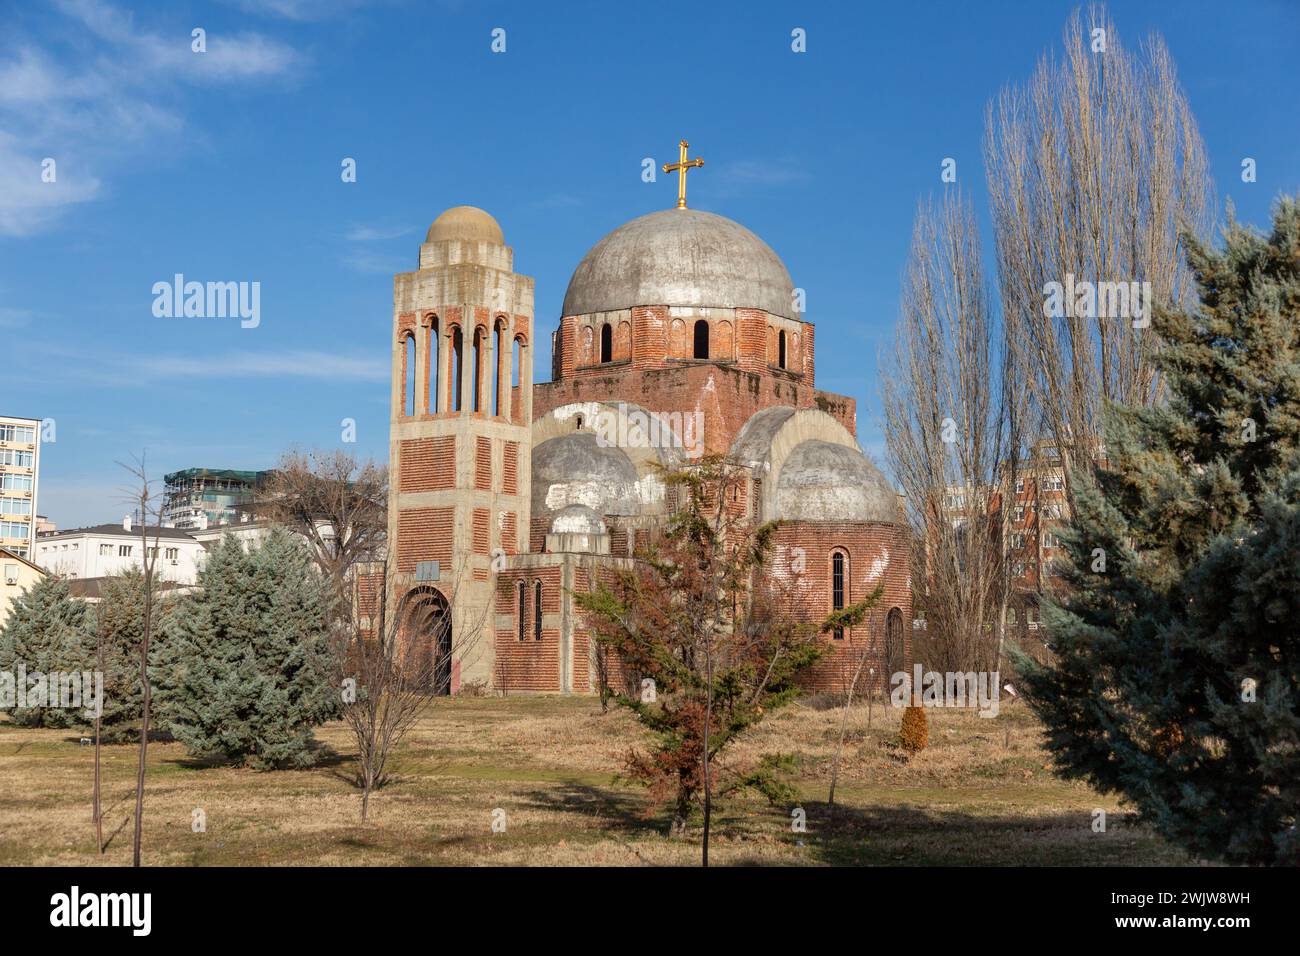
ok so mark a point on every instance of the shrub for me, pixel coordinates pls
(914, 732)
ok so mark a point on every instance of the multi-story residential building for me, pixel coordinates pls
(20, 452)
(109, 549)
(199, 498)
(1040, 508)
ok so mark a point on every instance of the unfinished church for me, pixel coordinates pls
(679, 335)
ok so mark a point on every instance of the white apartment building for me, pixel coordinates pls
(109, 549)
(20, 454)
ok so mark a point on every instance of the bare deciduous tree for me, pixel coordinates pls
(99, 714)
(1092, 168)
(395, 656)
(144, 500)
(951, 423)
(338, 505)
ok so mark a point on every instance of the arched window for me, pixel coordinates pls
(780, 349)
(457, 354)
(701, 339)
(523, 612)
(606, 343)
(408, 375)
(477, 373)
(434, 352)
(838, 588)
(895, 659)
(497, 339)
(515, 364)
(537, 610)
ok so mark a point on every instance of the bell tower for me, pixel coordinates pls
(459, 443)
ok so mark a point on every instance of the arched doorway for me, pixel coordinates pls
(427, 636)
(701, 339)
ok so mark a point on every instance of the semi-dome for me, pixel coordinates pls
(577, 469)
(681, 257)
(822, 481)
(468, 224)
(577, 519)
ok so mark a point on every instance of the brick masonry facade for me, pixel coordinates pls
(465, 425)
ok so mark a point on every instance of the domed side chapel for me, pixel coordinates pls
(679, 336)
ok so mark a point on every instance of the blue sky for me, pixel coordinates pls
(225, 166)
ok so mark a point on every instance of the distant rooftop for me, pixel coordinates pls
(229, 474)
(117, 529)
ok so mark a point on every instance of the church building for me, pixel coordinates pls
(681, 334)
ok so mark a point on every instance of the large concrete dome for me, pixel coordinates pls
(468, 224)
(822, 481)
(680, 257)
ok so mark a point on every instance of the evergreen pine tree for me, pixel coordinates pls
(1175, 673)
(243, 668)
(47, 630)
(119, 625)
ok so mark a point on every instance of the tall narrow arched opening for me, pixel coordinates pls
(895, 657)
(498, 339)
(434, 351)
(537, 610)
(780, 349)
(476, 396)
(408, 374)
(427, 639)
(701, 339)
(606, 343)
(515, 359)
(839, 587)
(457, 362)
(523, 610)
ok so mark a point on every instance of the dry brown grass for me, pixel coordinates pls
(982, 792)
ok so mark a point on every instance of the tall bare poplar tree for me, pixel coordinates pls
(1092, 168)
(950, 433)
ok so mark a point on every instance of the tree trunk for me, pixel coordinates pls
(99, 822)
(682, 811)
(99, 712)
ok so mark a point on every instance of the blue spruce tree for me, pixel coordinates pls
(243, 669)
(1176, 652)
(47, 631)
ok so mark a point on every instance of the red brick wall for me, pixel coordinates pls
(734, 398)
(424, 534)
(866, 546)
(509, 532)
(510, 468)
(481, 531)
(538, 526)
(530, 664)
(483, 463)
(427, 464)
(368, 586)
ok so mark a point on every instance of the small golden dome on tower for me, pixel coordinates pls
(465, 224)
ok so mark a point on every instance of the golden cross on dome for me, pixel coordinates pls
(681, 166)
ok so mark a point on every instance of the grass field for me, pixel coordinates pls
(982, 793)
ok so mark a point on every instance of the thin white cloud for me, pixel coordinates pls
(300, 10)
(14, 318)
(128, 370)
(226, 57)
(742, 176)
(290, 364)
(107, 101)
(377, 234)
